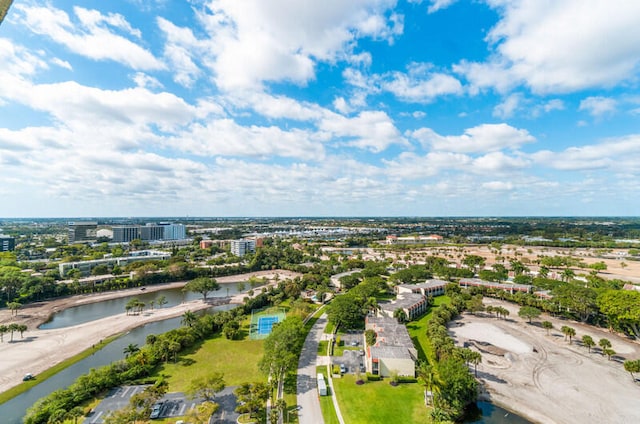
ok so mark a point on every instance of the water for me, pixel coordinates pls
(14, 410)
(488, 413)
(89, 312)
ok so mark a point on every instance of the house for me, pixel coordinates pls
(393, 351)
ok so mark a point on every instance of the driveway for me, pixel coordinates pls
(308, 402)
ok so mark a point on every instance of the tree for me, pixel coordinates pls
(475, 304)
(622, 308)
(587, 341)
(604, 344)
(400, 315)
(547, 325)
(13, 327)
(529, 312)
(131, 349)
(74, 414)
(609, 352)
(281, 348)
(14, 306)
(370, 337)
(202, 413)
(631, 367)
(207, 387)
(3, 329)
(568, 332)
(202, 285)
(189, 319)
(345, 311)
(475, 358)
(251, 398)
(161, 301)
(567, 274)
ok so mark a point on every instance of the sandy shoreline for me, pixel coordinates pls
(557, 382)
(42, 349)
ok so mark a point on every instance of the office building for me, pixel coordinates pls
(82, 231)
(7, 244)
(125, 233)
(173, 231)
(243, 246)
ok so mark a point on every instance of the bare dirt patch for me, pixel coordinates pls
(553, 381)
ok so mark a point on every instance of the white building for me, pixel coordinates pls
(243, 246)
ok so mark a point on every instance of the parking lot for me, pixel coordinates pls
(353, 356)
(171, 405)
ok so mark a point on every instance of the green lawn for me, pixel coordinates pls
(326, 402)
(418, 329)
(236, 359)
(379, 402)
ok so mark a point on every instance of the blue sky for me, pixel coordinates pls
(306, 108)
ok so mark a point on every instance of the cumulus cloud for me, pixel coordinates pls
(279, 40)
(507, 108)
(439, 4)
(534, 45)
(371, 130)
(90, 34)
(598, 106)
(498, 185)
(483, 138)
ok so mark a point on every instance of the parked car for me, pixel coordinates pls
(28, 376)
(343, 369)
(156, 410)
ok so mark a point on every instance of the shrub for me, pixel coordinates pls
(373, 377)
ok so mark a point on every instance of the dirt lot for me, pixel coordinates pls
(546, 379)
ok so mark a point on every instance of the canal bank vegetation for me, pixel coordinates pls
(141, 365)
(21, 388)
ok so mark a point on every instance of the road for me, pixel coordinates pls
(308, 402)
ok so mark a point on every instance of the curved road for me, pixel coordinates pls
(308, 401)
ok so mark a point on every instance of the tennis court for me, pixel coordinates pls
(262, 322)
(265, 324)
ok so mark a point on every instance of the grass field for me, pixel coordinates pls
(379, 402)
(418, 329)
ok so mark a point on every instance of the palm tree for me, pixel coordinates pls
(189, 319)
(631, 367)
(161, 301)
(475, 358)
(588, 342)
(567, 274)
(74, 414)
(3, 329)
(604, 344)
(547, 325)
(568, 332)
(609, 352)
(21, 328)
(130, 350)
(14, 306)
(13, 327)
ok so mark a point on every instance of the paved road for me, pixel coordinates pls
(310, 412)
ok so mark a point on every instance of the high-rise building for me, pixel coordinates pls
(173, 231)
(125, 233)
(243, 246)
(151, 232)
(7, 244)
(82, 231)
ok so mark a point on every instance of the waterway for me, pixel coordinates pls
(14, 410)
(92, 311)
(488, 413)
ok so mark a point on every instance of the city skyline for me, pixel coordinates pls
(298, 108)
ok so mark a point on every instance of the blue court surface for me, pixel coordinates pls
(265, 324)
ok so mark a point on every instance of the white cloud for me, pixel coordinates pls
(616, 155)
(372, 130)
(61, 63)
(179, 50)
(498, 185)
(483, 138)
(341, 105)
(560, 46)
(146, 81)
(420, 85)
(439, 5)
(507, 108)
(90, 35)
(598, 106)
(498, 162)
(224, 137)
(259, 41)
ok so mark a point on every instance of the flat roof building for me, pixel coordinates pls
(82, 231)
(243, 246)
(393, 351)
(7, 244)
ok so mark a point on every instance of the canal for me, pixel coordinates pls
(14, 410)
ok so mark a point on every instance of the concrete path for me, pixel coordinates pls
(308, 401)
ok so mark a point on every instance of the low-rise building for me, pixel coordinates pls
(393, 351)
(428, 288)
(414, 305)
(510, 287)
(85, 267)
(243, 246)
